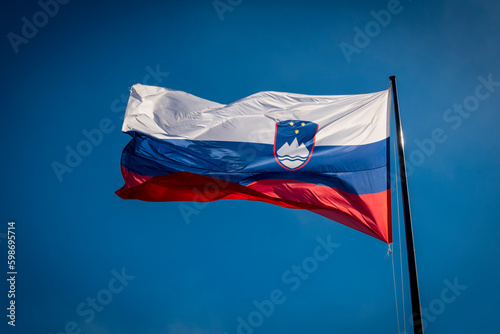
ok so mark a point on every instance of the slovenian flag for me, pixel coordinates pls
(326, 154)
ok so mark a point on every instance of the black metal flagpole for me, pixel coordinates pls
(410, 248)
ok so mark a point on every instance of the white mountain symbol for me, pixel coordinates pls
(294, 155)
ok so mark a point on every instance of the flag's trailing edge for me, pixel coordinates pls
(325, 154)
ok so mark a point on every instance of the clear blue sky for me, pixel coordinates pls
(75, 236)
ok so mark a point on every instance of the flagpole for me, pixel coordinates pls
(410, 248)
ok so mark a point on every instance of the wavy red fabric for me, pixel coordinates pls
(367, 213)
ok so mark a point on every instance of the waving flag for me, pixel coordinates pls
(325, 154)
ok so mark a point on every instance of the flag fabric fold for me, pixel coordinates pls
(326, 154)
